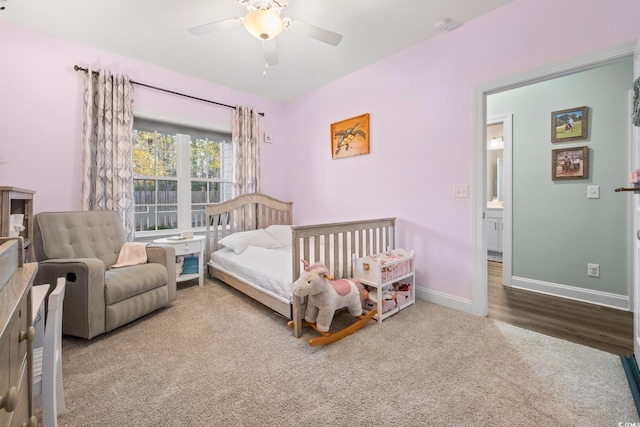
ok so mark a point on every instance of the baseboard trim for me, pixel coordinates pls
(605, 299)
(444, 300)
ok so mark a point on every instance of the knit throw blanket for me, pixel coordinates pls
(131, 253)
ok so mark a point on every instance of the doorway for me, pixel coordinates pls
(499, 137)
(541, 208)
(479, 291)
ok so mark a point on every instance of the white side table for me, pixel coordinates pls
(187, 246)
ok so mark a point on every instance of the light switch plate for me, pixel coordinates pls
(593, 192)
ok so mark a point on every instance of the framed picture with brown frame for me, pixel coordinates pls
(570, 163)
(571, 124)
(350, 137)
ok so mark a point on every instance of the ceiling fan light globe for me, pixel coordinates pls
(263, 24)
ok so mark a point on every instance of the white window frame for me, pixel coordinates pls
(184, 181)
(183, 171)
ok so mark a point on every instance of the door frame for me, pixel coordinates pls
(479, 305)
(507, 158)
(635, 217)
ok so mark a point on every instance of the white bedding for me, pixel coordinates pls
(266, 269)
(261, 263)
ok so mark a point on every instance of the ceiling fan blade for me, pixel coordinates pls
(270, 53)
(251, 4)
(215, 26)
(313, 32)
(282, 3)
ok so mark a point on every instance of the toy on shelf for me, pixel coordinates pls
(384, 267)
(389, 278)
(324, 297)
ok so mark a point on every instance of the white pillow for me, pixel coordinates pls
(282, 233)
(238, 242)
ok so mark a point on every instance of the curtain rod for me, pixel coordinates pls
(78, 68)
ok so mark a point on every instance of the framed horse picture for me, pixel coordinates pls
(350, 137)
(570, 163)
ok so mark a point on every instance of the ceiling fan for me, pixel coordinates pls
(264, 22)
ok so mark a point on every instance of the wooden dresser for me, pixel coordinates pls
(15, 200)
(16, 377)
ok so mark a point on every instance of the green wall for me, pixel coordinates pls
(556, 229)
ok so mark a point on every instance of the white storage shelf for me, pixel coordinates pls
(191, 246)
(379, 271)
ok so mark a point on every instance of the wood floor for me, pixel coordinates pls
(600, 327)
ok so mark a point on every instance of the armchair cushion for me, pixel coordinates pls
(127, 282)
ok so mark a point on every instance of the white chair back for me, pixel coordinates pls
(50, 364)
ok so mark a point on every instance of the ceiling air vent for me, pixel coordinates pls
(446, 24)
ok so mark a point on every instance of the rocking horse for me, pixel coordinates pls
(324, 297)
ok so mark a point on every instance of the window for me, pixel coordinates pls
(177, 170)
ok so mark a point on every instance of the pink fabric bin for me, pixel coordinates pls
(397, 270)
(403, 297)
(386, 305)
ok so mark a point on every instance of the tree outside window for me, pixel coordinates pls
(161, 191)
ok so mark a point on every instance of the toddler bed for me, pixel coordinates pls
(252, 246)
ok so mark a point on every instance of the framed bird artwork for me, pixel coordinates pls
(350, 137)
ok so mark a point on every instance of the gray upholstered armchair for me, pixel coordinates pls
(82, 246)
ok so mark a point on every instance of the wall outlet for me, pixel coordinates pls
(593, 270)
(461, 191)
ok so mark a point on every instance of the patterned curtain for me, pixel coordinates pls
(107, 181)
(246, 151)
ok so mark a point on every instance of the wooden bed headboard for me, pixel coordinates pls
(249, 211)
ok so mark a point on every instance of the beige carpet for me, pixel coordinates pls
(216, 358)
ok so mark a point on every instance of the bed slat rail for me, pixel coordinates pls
(340, 241)
(334, 244)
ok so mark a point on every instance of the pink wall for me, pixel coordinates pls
(421, 103)
(422, 107)
(40, 113)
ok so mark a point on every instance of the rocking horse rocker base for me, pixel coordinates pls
(328, 337)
